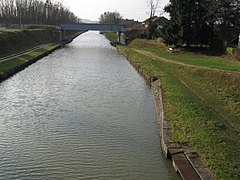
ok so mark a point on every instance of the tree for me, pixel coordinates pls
(153, 6)
(35, 12)
(224, 19)
(110, 18)
(188, 22)
(202, 22)
(173, 31)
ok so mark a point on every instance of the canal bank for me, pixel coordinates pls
(15, 63)
(185, 161)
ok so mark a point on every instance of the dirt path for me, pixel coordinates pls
(158, 58)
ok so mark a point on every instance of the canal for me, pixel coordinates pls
(83, 112)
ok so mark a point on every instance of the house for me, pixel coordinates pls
(131, 23)
(159, 21)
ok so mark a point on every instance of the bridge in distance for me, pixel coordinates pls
(94, 27)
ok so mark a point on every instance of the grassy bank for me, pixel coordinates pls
(11, 66)
(202, 105)
(199, 60)
(112, 36)
(19, 40)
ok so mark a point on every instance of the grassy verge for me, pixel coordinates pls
(112, 36)
(20, 40)
(8, 66)
(203, 108)
(153, 44)
(160, 49)
(199, 60)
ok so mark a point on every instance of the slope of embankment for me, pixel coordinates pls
(201, 104)
(19, 40)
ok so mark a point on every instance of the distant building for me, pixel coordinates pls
(131, 23)
(159, 21)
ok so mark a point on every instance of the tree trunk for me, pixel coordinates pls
(239, 42)
(188, 44)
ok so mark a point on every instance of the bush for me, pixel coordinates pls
(218, 45)
(230, 51)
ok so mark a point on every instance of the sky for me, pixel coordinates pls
(92, 9)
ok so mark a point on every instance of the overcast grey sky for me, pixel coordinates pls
(92, 9)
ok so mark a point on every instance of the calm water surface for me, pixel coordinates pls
(83, 112)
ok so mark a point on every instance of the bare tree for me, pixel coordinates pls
(34, 12)
(110, 18)
(153, 6)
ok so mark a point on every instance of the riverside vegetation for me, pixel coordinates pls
(201, 98)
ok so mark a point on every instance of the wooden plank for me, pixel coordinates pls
(185, 169)
(199, 166)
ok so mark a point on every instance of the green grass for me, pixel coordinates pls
(160, 49)
(143, 43)
(16, 41)
(112, 36)
(9, 65)
(199, 60)
(203, 108)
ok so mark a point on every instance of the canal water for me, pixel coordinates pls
(82, 112)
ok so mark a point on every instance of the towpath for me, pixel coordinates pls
(3, 59)
(158, 58)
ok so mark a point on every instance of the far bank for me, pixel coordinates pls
(21, 48)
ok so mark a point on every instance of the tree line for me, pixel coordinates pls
(35, 12)
(110, 18)
(214, 23)
(207, 23)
